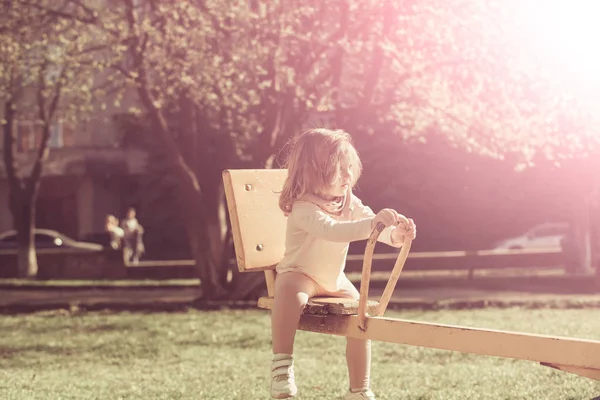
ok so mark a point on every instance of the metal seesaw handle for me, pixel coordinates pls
(366, 277)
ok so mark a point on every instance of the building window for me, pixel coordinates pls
(25, 135)
(55, 141)
(29, 135)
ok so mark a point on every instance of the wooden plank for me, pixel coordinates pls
(365, 279)
(326, 305)
(233, 218)
(270, 281)
(393, 279)
(580, 353)
(257, 223)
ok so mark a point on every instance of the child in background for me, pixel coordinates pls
(323, 218)
(115, 233)
(133, 243)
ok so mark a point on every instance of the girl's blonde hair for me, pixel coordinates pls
(314, 161)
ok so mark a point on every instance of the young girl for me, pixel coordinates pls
(115, 233)
(323, 217)
(133, 243)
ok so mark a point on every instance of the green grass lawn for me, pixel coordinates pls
(226, 355)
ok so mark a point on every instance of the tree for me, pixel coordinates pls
(45, 77)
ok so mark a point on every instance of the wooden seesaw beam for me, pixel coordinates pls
(578, 356)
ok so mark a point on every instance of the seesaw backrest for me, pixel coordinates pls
(257, 223)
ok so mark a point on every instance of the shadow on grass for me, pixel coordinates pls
(234, 343)
(20, 357)
(11, 352)
(69, 329)
(109, 351)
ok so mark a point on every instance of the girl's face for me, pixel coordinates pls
(342, 181)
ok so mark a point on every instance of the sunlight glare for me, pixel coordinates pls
(564, 37)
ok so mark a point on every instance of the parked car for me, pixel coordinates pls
(545, 235)
(47, 239)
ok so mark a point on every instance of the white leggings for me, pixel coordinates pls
(292, 291)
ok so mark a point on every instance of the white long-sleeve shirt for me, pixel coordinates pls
(317, 242)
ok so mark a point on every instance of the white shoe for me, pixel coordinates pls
(364, 395)
(282, 377)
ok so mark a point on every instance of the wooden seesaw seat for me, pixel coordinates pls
(258, 227)
(326, 305)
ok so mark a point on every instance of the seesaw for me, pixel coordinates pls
(258, 227)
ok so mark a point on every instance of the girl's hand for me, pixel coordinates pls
(404, 231)
(402, 221)
(387, 217)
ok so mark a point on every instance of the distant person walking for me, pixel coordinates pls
(115, 233)
(133, 244)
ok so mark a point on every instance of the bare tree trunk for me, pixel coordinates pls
(22, 194)
(22, 206)
(200, 241)
(191, 198)
(216, 224)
